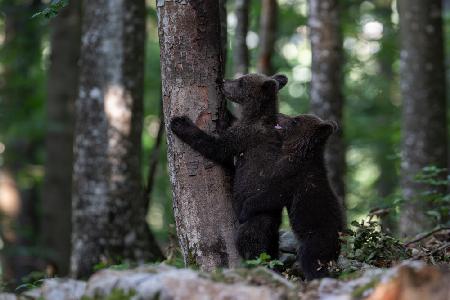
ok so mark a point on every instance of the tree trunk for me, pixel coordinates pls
(191, 68)
(21, 53)
(62, 92)
(424, 140)
(387, 181)
(267, 35)
(224, 31)
(326, 93)
(240, 53)
(108, 203)
(18, 230)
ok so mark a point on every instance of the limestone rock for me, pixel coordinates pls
(288, 242)
(8, 297)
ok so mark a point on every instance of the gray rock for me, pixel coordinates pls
(288, 242)
(5, 296)
(288, 259)
(371, 277)
(56, 289)
(173, 283)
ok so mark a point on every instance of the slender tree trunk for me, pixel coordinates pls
(387, 182)
(62, 92)
(108, 203)
(240, 53)
(326, 82)
(154, 159)
(191, 68)
(424, 140)
(267, 35)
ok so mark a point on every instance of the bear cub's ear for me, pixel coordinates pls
(281, 79)
(270, 85)
(327, 128)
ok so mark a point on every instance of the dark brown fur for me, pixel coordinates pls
(255, 145)
(315, 212)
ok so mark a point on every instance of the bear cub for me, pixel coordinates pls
(315, 212)
(251, 146)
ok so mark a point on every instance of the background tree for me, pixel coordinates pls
(62, 92)
(240, 50)
(224, 30)
(267, 35)
(21, 75)
(108, 202)
(191, 67)
(326, 82)
(423, 87)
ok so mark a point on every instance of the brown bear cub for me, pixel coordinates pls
(254, 144)
(315, 212)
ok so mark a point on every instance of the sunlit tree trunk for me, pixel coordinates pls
(62, 92)
(108, 203)
(240, 50)
(267, 35)
(424, 131)
(326, 82)
(191, 68)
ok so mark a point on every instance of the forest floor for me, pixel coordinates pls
(373, 266)
(409, 280)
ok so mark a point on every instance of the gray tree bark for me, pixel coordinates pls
(267, 35)
(62, 91)
(424, 124)
(224, 31)
(326, 82)
(108, 203)
(240, 53)
(191, 68)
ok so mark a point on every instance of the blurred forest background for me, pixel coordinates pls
(36, 129)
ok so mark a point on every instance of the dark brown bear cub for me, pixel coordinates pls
(255, 145)
(315, 212)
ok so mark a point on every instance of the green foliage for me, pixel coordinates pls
(31, 281)
(435, 181)
(264, 260)
(52, 9)
(104, 265)
(368, 244)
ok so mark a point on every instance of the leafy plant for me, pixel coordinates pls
(436, 181)
(31, 281)
(368, 244)
(264, 260)
(52, 9)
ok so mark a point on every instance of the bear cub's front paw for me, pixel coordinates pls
(180, 124)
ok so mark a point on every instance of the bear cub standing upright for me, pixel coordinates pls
(255, 145)
(315, 212)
